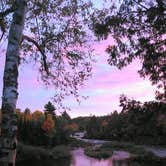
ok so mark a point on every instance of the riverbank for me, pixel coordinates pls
(38, 153)
(34, 153)
(125, 151)
(105, 149)
(114, 150)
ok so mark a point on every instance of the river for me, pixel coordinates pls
(80, 159)
(119, 158)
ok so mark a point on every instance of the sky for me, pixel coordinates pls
(103, 89)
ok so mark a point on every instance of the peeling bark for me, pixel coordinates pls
(8, 141)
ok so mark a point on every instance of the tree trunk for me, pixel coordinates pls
(8, 142)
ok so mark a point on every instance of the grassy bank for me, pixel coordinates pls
(36, 153)
(74, 143)
(28, 153)
(98, 152)
(138, 153)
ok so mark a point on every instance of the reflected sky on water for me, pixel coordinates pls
(80, 159)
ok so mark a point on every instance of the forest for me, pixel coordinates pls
(141, 123)
(44, 128)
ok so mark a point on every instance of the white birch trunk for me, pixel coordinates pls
(8, 142)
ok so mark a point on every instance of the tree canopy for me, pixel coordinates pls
(54, 39)
(139, 30)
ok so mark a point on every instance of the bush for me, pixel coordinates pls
(60, 152)
(78, 143)
(27, 153)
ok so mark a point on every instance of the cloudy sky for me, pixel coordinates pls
(103, 89)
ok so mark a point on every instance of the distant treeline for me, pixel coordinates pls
(141, 123)
(44, 128)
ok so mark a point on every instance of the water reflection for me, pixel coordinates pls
(79, 159)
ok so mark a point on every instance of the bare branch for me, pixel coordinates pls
(44, 58)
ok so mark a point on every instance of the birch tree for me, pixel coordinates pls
(51, 33)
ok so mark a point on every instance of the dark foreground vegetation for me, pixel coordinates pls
(33, 153)
(44, 155)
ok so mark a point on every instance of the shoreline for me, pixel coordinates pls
(117, 150)
(104, 149)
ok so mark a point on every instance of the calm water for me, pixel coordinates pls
(79, 159)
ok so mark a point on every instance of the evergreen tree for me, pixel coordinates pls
(93, 128)
(50, 109)
(66, 116)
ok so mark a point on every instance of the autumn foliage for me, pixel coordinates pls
(71, 127)
(43, 128)
(49, 124)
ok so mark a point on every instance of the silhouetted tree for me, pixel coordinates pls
(66, 116)
(138, 28)
(93, 128)
(50, 109)
(142, 123)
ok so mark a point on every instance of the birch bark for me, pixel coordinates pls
(8, 141)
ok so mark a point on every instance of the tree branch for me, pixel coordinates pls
(140, 4)
(3, 32)
(2, 27)
(44, 58)
(7, 11)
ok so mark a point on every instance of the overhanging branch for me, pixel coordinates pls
(7, 11)
(44, 58)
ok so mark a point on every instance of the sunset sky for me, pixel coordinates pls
(103, 89)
